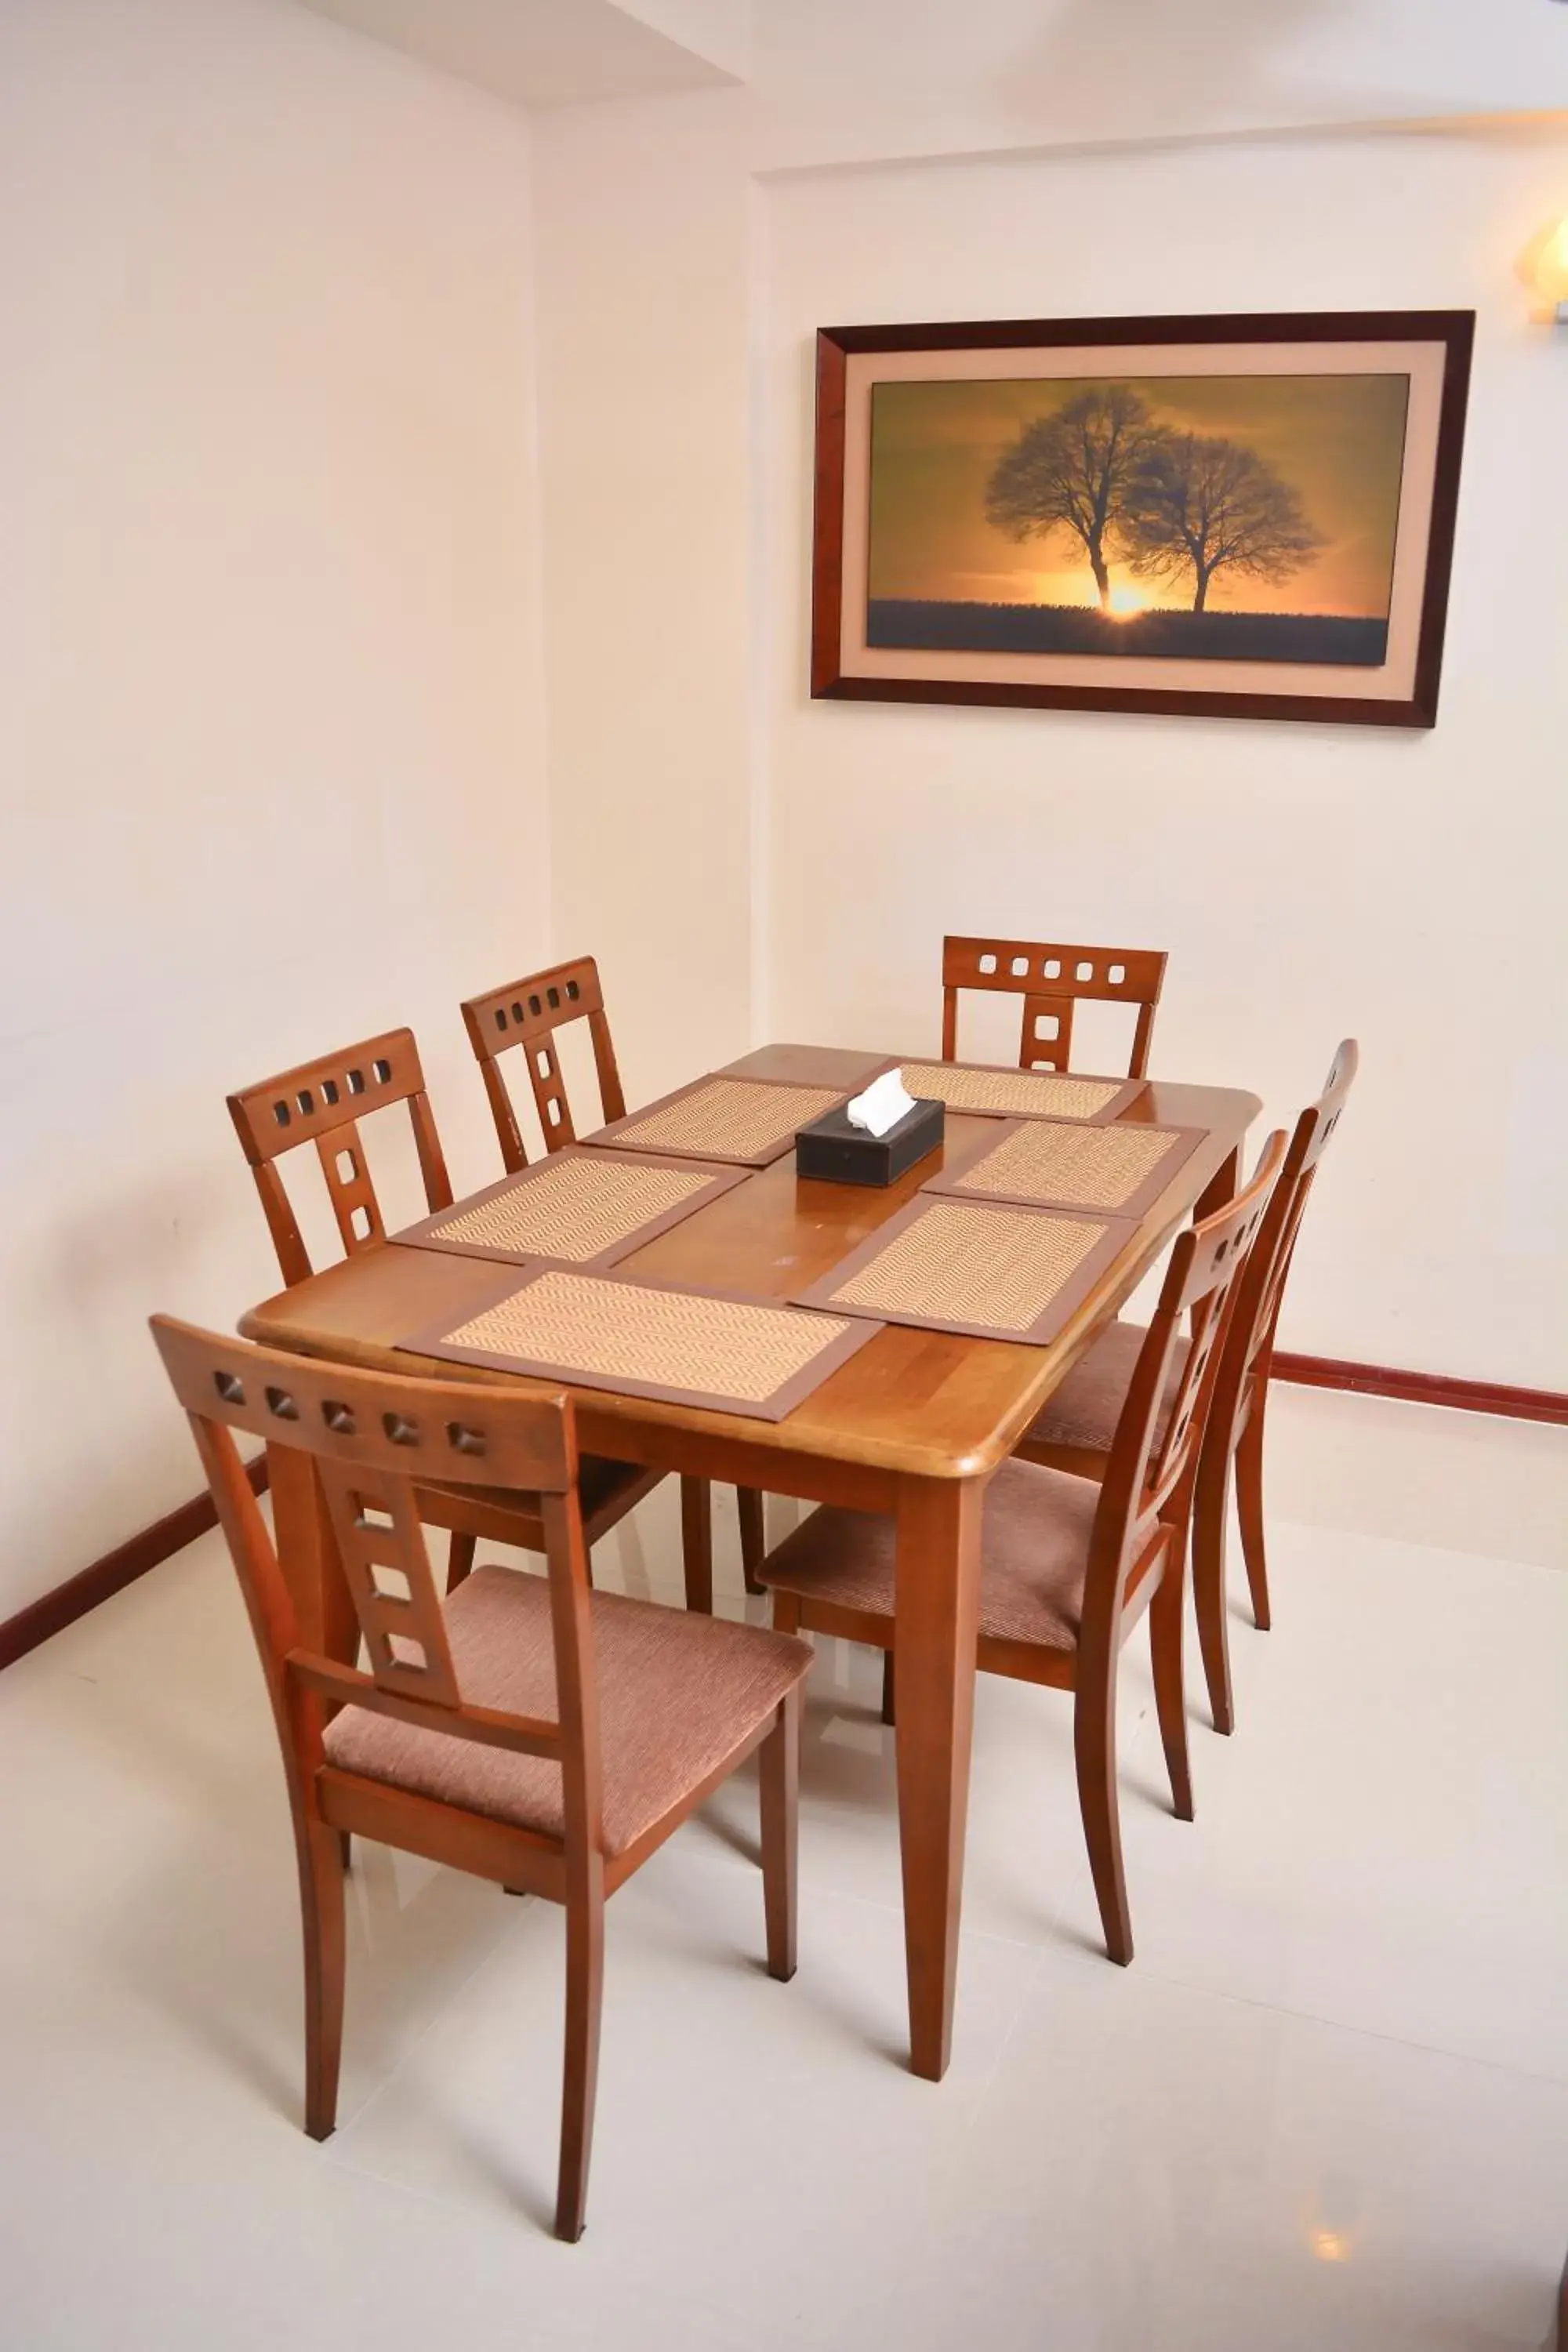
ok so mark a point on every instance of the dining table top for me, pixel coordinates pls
(927, 1403)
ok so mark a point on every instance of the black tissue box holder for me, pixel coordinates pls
(837, 1154)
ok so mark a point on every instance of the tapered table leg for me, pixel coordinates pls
(937, 1612)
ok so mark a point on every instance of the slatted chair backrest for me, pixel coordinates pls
(1148, 1485)
(1249, 1342)
(371, 1436)
(321, 1102)
(527, 1013)
(1052, 979)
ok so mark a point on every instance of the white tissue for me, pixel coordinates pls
(882, 1105)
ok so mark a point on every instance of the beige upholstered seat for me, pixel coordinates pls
(1085, 1410)
(1034, 1549)
(678, 1693)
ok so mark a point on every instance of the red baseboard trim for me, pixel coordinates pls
(52, 1611)
(1422, 1388)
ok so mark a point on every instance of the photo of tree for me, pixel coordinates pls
(1223, 517)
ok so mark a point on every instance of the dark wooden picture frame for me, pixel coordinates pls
(1406, 695)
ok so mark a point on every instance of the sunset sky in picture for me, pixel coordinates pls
(1337, 440)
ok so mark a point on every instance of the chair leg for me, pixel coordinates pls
(778, 1766)
(1094, 1742)
(322, 1912)
(459, 1560)
(697, 1544)
(888, 1715)
(584, 2007)
(1210, 1504)
(1249, 1511)
(753, 1536)
(785, 1613)
(1167, 1626)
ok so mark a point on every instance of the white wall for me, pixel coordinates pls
(1308, 881)
(270, 736)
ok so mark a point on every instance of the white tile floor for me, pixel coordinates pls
(1327, 2107)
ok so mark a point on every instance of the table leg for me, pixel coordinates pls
(937, 1603)
(307, 1557)
(1222, 1187)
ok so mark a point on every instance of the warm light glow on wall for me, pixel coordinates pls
(1550, 271)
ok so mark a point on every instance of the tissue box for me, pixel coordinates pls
(837, 1154)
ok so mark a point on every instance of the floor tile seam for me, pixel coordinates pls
(493, 2227)
(1312, 1527)
(506, 1934)
(893, 1906)
(1341, 2025)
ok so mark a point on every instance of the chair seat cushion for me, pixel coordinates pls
(1034, 1543)
(1085, 1410)
(678, 1693)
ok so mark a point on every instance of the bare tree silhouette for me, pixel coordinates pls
(1210, 505)
(1073, 470)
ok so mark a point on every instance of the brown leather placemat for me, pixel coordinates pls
(1052, 1163)
(578, 1207)
(683, 1346)
(750, 1122)
(994, 1090)
(998, 1272)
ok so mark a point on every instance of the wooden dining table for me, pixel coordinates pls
(914, 1424)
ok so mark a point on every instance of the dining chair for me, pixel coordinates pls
(1052, 979)
(1068, 1567)
(321, 1102)
(1076, 1429)
(527, 1013)
(528, 1730)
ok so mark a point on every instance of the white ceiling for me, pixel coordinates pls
(554, 52)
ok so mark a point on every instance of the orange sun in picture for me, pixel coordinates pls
(1127, 603)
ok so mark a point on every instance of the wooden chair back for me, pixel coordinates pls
(1052, 979)
(370, 1436)
(322, 1103)
(528, 1012)
(1147, 1489)
(1250, 1341)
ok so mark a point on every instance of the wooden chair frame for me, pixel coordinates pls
(321, 1102)
(1137, 1549)
(1052, 979)
(368, 1436)
(528, 1012)
(1233, 1437)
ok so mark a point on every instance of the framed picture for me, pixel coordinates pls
(1237, 517)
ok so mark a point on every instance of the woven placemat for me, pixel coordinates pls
(996, 1092)
(686, 1347)
(1002, 1272)
(752, 1121)
(1058, 1164)
(586, 1208)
